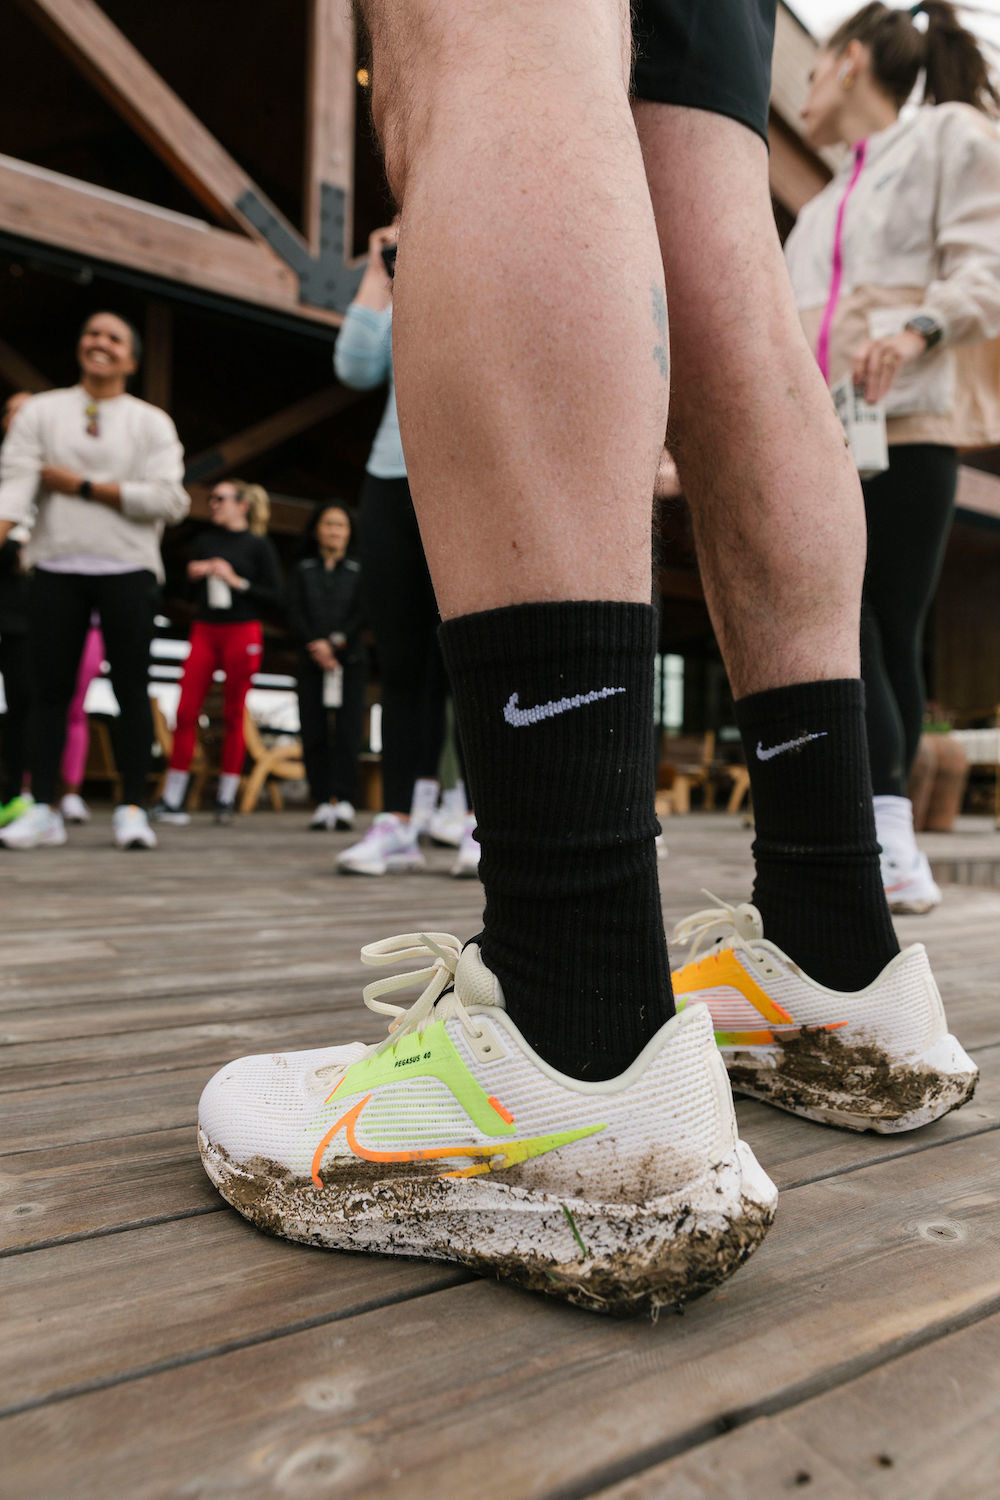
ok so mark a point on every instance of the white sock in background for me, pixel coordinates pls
(894, 828)
(424, 803)
(453, 800)
(229, 783)
(175, 789)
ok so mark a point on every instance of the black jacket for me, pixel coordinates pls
(323, 602)
(251, 557)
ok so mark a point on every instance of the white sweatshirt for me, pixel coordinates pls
(136, 447)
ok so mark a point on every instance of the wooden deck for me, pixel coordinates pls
(154, 1344)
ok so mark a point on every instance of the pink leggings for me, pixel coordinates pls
(74, 760)
(234, 649)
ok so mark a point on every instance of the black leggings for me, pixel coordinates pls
(909, 510)
(331, 758)
(400, 606)
(59, 610)
(17, 691)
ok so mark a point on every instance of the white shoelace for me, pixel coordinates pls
(445, 950)
(721, 926)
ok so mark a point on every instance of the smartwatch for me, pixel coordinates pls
(929, 330)
(86, 490)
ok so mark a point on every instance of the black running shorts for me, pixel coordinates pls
(706, 54)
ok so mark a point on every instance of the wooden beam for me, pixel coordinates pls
(797, 174)
(137, 92)
(42, 205)
(158, 355)
(795, 51)
(268, 434)
(330, 95)
(20, 372)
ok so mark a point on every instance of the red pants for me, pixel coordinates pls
(234, 649)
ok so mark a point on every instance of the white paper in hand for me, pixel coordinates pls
(864, 425)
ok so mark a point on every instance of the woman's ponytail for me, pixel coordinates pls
(258, 504)
(957, 71)
(955, 68)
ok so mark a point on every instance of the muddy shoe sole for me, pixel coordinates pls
(618, 1258)
(854, 1085)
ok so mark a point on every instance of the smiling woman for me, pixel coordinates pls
(96, 474)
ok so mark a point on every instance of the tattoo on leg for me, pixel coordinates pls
(661, 352)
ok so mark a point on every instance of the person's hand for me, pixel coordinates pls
(225, 570)
(378, 241)
(877, 363)
(322, 654)
(199, 568)
(59, 480)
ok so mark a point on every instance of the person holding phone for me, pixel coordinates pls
(397, 593)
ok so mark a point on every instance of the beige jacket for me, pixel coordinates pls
(136, 447)
(911, 224)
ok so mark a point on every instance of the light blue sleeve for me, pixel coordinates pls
(362, 357)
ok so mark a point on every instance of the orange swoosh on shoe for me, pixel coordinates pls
(510, 1152)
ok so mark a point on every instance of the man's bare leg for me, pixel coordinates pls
(530, 346)
(780, 530)
(529, 333)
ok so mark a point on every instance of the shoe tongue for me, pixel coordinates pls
(475, 984)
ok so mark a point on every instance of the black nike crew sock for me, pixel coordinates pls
(818, 885)
(555, 709)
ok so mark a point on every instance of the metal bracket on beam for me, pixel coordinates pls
(324, 280)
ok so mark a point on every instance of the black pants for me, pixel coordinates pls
(59, 610)
(17, 691)
(909, 510)
(401, 609)
(331, 738)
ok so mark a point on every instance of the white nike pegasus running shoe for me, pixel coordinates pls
(40, 827)
(452, 1139)
(389, 847)
(880, 1058)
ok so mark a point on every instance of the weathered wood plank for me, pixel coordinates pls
(104, 1310)
(505, 1393)
(923, 1426)
(94, 1187)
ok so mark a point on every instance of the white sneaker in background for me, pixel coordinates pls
(162, 812)
(323, 819)
(625, 1196)
(466, 866)
(910, 888)
(41, 827)
(880, 1058)
(389, 847)
(906, 875)
(423, 804)
(130, 828)
(74, 809)
(343, 816)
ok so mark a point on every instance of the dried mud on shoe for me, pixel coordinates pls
(622, 1259)
(853, 1085)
